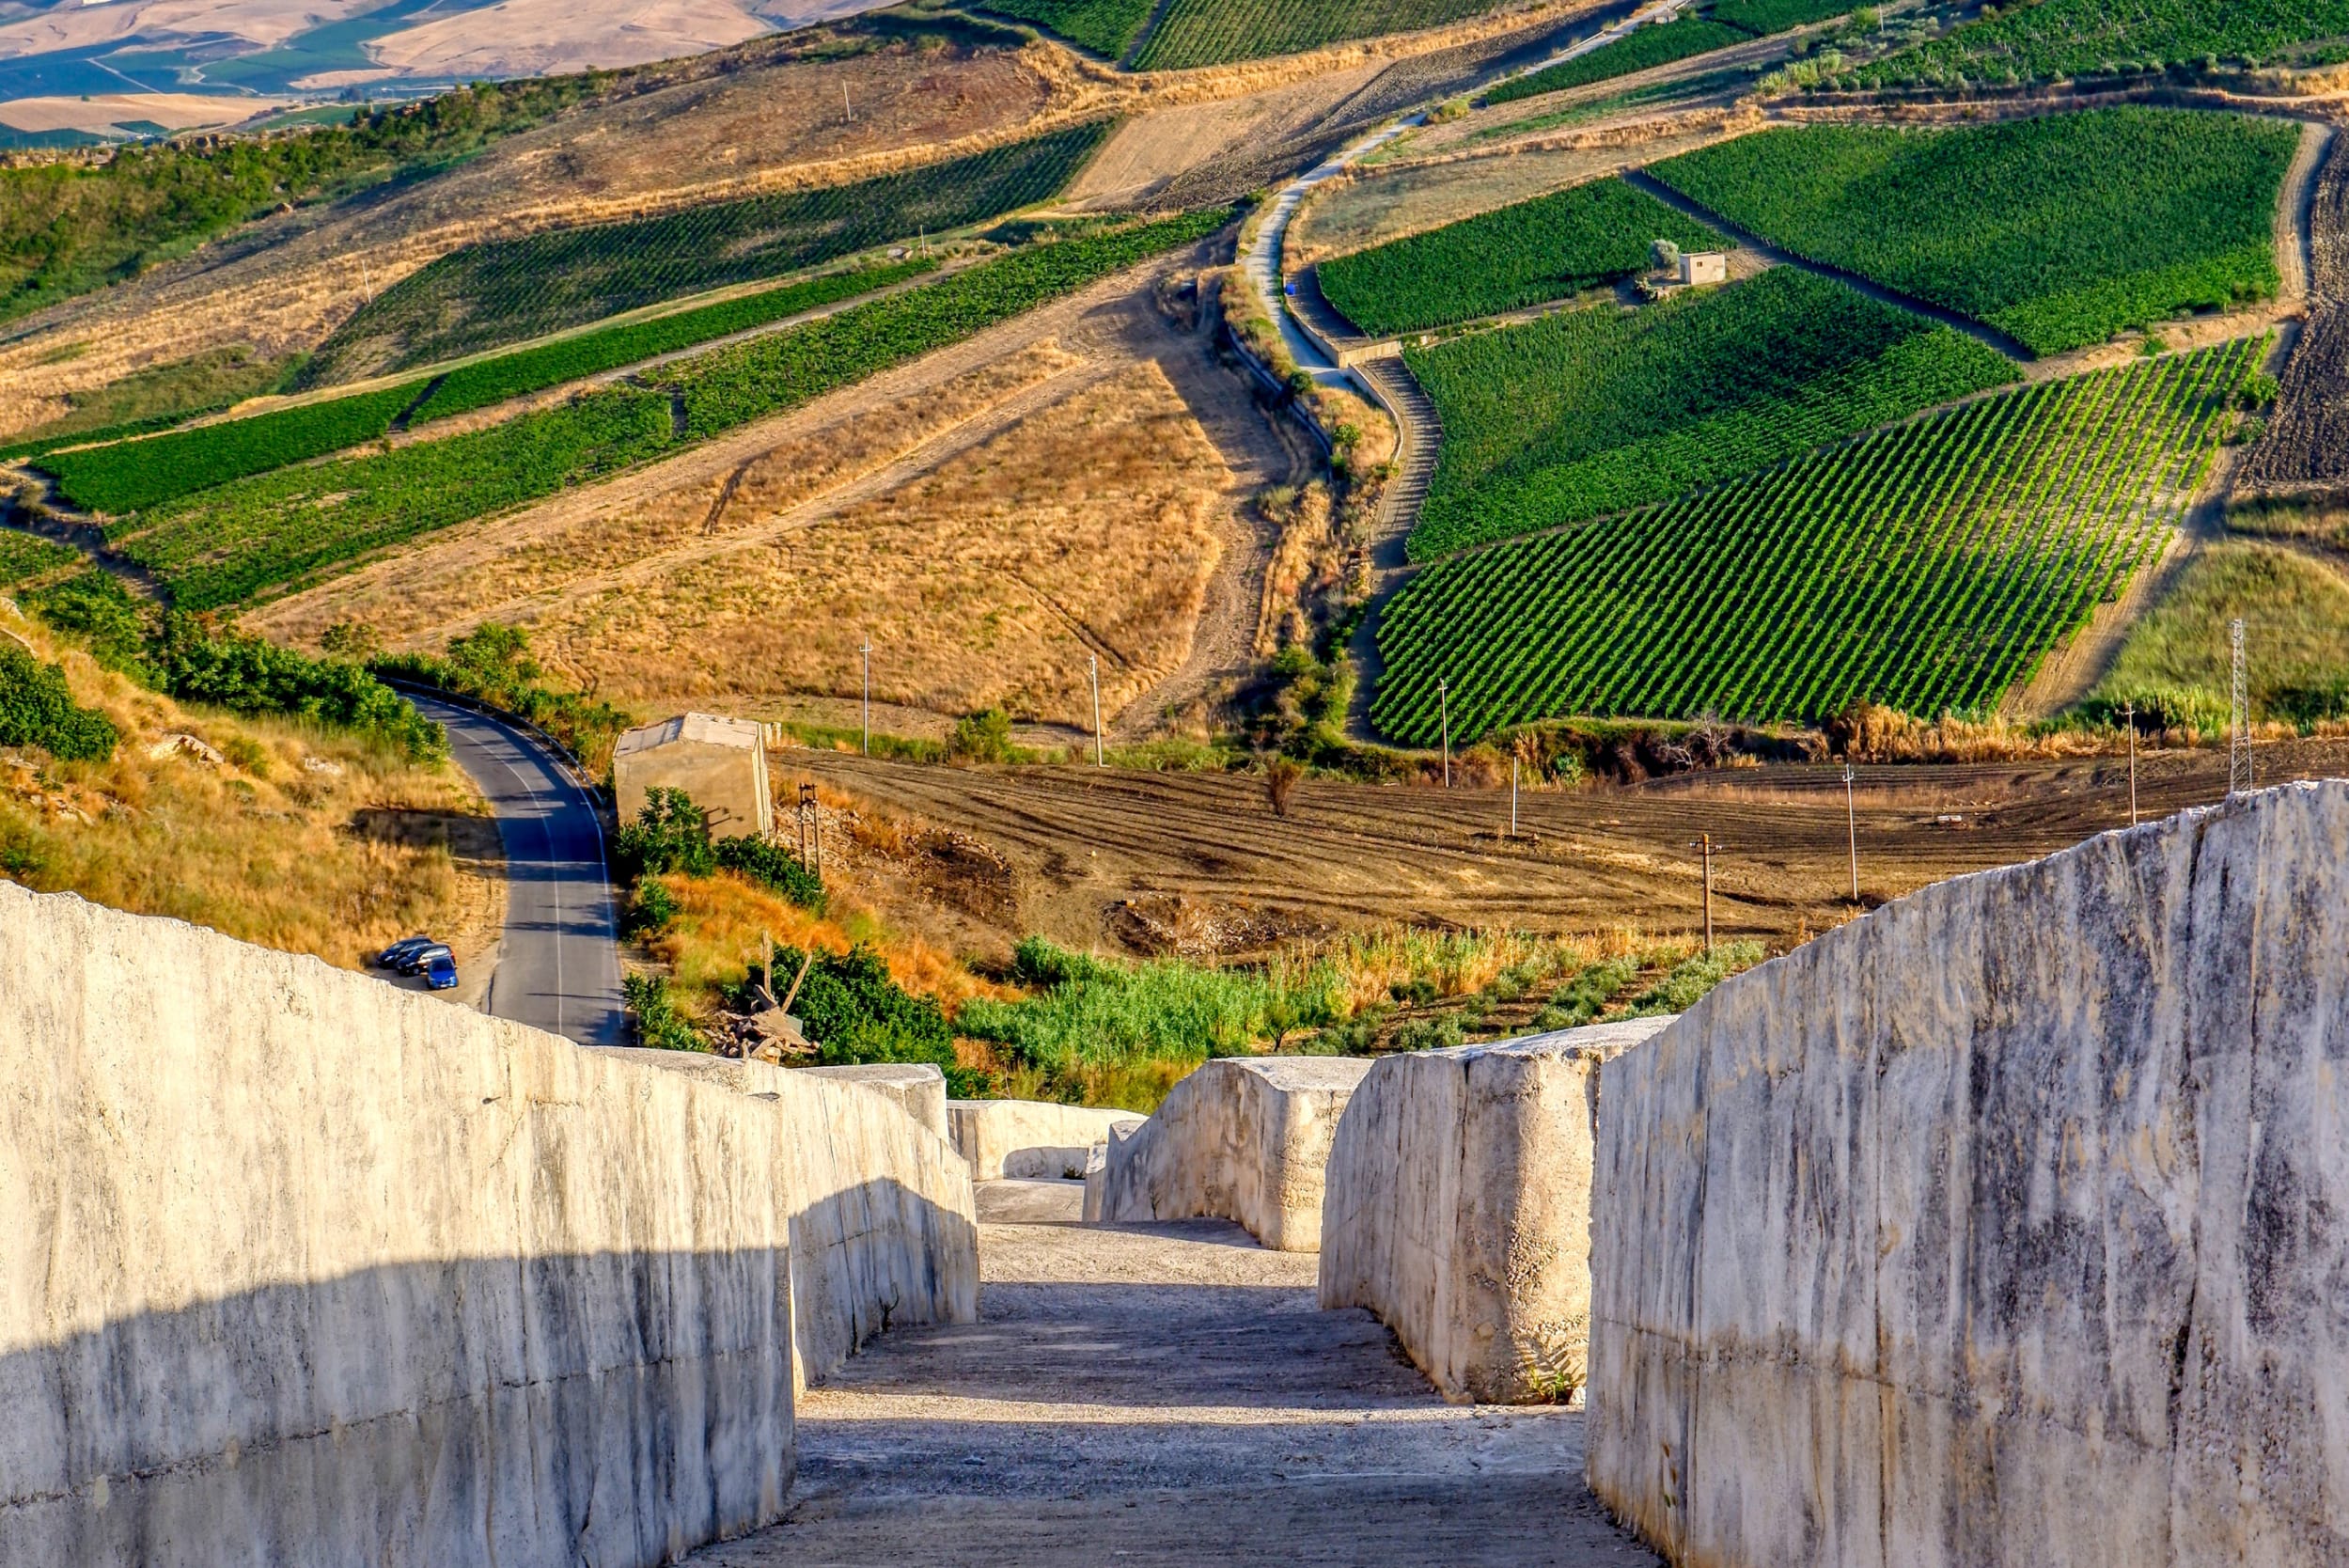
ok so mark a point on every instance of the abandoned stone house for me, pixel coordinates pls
(721, 763)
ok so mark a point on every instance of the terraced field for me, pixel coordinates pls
(224, 545)
(2060, 232)
(2060, 39)
(1597, 411)
(1656, 44)
(1107, 28)
(488, 295)
(1928, 566)
(1549, 248)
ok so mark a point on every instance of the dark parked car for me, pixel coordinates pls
(421, 959)
(440, 974)
(400, 951)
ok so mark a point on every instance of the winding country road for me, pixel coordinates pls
(559, 967)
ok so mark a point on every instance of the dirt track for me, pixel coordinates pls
(1080, 842)
(1165, 1395)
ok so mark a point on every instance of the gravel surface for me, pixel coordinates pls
(1166, 1394)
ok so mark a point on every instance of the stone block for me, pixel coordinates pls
(1028, 1139)
(1244, 1138)
(1459, 1208)
(919, 1088)
(306, 1269)
(2001, 1226)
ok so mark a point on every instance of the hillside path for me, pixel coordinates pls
(1166, 1394)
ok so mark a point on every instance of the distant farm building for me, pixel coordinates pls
(721, 763)
(1703, 266)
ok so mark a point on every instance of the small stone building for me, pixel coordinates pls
(720, 762)
(1703, 266)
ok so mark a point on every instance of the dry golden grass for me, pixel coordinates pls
(1083, 530)
(304, 840)
(511, 568)
(1304, 563)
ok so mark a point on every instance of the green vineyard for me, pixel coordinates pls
(26, 556)
(229, 543)
(1536, 251)
(1928, 566)
(1656, 44)
(1591, 412)
(488, 295)
(2059, 38)
(2059, 233)
(1107, 28)
(1764, 17)
(1217, 32)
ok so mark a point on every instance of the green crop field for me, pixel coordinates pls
(1107, 28)
(230, 544)
(1764, 17)
(526, 370)
(1656, 44)
(1217, 32)
(1536, 251)
(489, 295)
(132, 475)
(2059, 38)
(26, 556)
(2059, 233)
(1597, 411)
(1928, 566)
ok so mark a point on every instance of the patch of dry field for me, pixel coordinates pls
(1074, 484)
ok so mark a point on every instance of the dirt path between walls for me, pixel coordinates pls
(1166, 1394)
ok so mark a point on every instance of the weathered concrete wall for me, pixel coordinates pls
(1459, 1208)
(883, 1230)
(304, 1269)
(917, 1088)
(2003, 1225)
(1029, 1138)
(1244, 1139)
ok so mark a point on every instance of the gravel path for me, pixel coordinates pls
(1166, 1394)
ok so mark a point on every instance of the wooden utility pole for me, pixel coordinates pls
(2128, 717)
(810, 831)
(2239, 779)
(1512, 796)
(1443, 696)
(1093, 667)
(1704, 842)
(867, 651)
(1851, 824)
(847, 111)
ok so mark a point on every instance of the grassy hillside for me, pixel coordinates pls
(2059, 38)
(1592, 412)
(71, 225)
(488, 295)
(2176, 668)
(224, 545)
(1926, 568)
(2059, 233)
(1535, 251)
(301, 838)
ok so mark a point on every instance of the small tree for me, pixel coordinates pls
(1280, 782)
(1664, 256)
(981, 737)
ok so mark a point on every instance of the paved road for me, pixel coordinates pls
(558, 969)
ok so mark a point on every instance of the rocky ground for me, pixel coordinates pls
(1166, 1394)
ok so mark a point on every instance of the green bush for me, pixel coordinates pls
(651, 907)
(981, 737)
(248, 675)
(1688, 980)
(764, 861)
(659, 1025)
(94, 608)
(492, 664)
(671, 834)
(854, 1013)
(38, 709)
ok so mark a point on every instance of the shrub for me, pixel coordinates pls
(38, 709)
(855, 1014)
(247, 675)
(659, 1025)
(981, 737)
(671, 834)
(770, 864)
(650, 908)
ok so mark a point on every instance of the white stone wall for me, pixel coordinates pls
(918, 1089)
(304, 1269)
(883, 1230)
(1459, 1208)
(1029, 1138)
(2004, 1225)
(1244, 1138)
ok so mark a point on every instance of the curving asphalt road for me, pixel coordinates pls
(558, 968)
